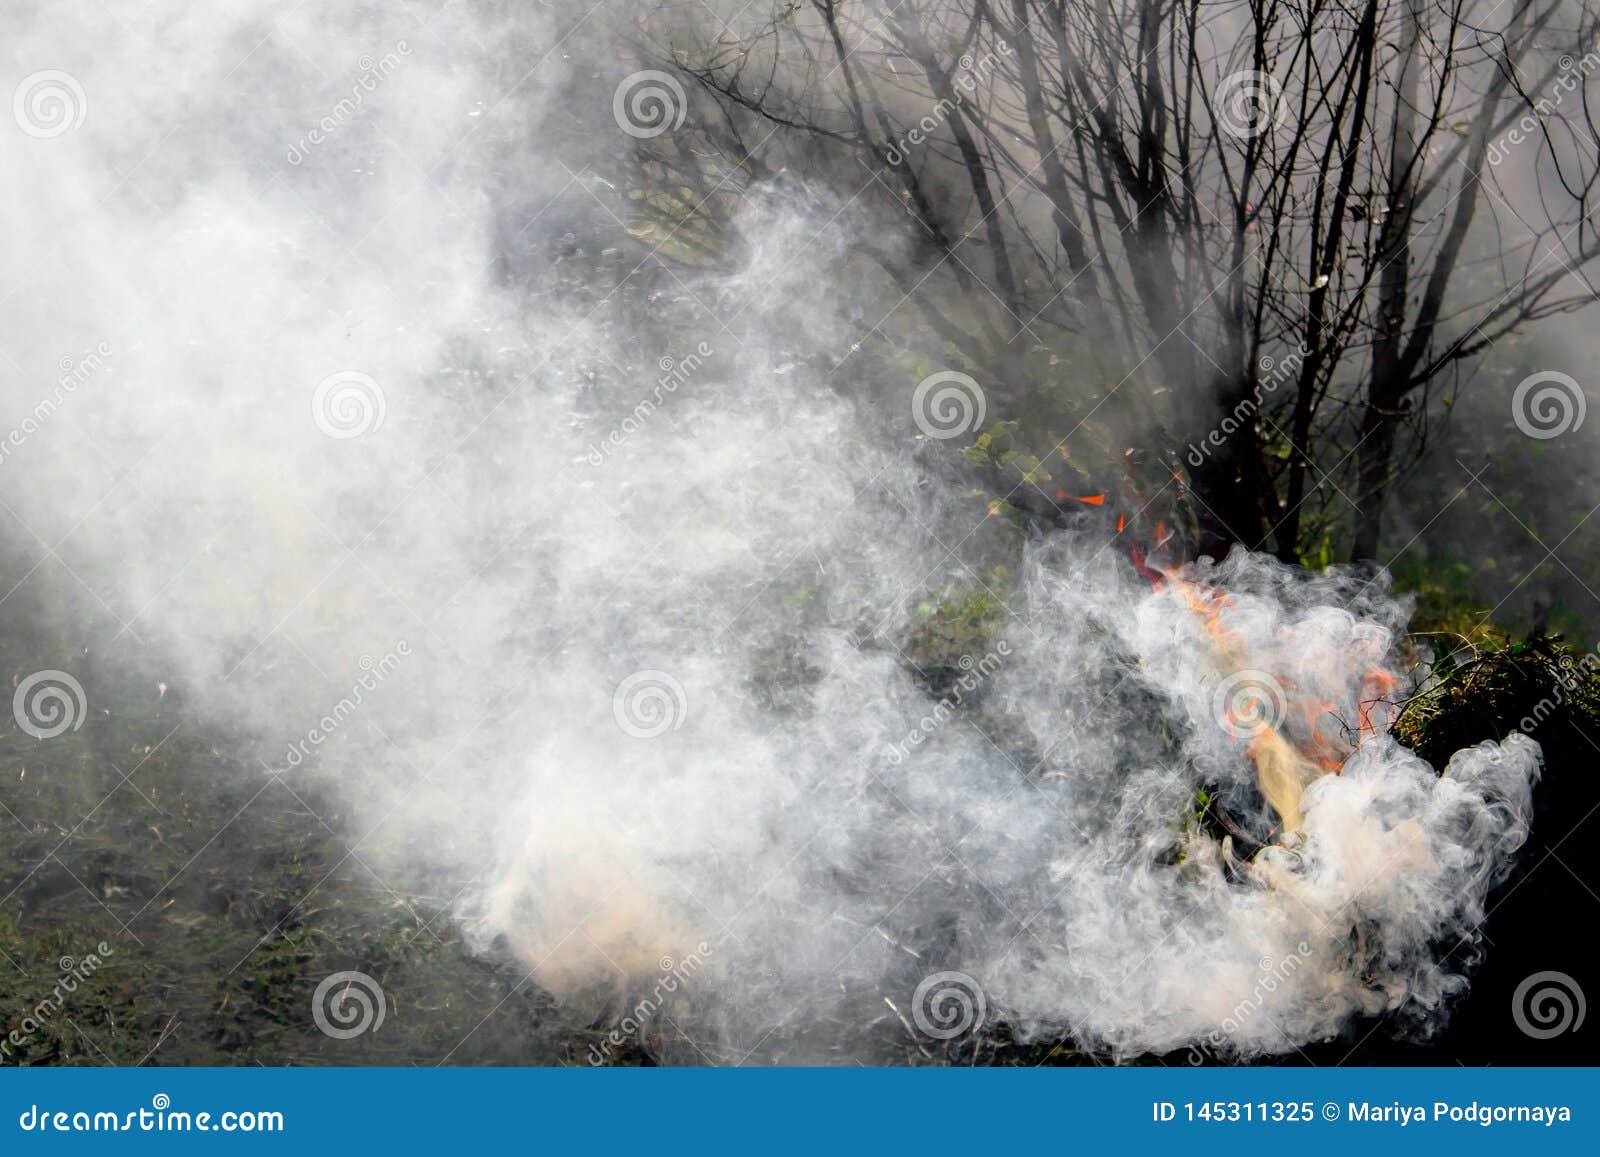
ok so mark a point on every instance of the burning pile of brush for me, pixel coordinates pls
(1295, 732)
(1219, 737)
(1163, 812)
(1298, 721)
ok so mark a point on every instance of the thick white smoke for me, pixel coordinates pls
(364, 410)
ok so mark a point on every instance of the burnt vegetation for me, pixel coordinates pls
(1222, 270)
(1289, 222)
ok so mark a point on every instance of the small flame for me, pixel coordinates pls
(1377, 691)
(1154, 577)
(1282, 773)
(1290, 753)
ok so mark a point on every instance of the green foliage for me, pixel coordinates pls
(1001, 447)
(225, 896)
(963, 621)
(1486, 686)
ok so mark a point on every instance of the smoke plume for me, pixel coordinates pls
(593, 586)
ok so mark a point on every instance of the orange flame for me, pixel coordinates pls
(1287, 756)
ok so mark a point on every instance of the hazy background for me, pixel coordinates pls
(369, 403)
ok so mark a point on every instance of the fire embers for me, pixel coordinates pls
(1220, 747)
(1295, 693)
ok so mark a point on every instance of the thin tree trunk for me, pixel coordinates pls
(1387, 387)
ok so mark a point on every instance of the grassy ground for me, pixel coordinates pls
(223, 900)
(224, 895)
